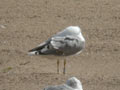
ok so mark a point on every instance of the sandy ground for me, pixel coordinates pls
(26, 23)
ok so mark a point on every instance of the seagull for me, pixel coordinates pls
(68, 42)
(71, 84)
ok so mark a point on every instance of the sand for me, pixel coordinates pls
(26, 23)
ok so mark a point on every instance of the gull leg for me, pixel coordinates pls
(58, 66)
(64, 69)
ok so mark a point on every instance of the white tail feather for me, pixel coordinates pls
(32, 53)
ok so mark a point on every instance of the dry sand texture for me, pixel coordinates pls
(26, 23)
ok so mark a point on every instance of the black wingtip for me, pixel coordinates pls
(30, 50)
(35, 49)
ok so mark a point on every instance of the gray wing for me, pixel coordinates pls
(61, 87)
(65, 45)
(68, 45)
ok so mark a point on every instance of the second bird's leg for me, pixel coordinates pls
(64, 69)
(58, 66)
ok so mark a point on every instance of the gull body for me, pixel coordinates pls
(71, 84)
(68, 42)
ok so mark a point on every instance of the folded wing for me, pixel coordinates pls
(66, 45)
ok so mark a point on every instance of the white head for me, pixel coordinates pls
(74, 83)
(73, 30)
